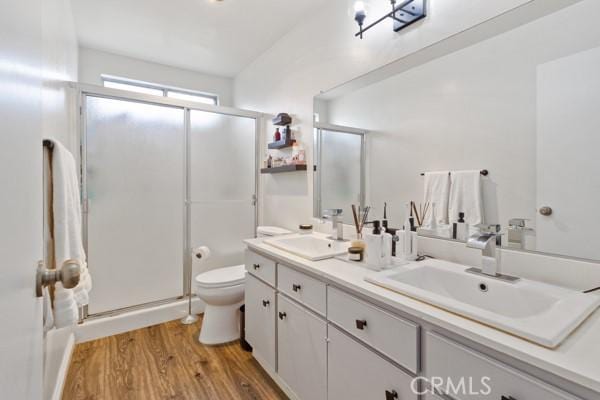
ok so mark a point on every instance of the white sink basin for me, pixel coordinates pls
(312, 247)
(544, 314)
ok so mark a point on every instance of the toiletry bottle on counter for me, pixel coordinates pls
(462, 228)
(379, 247)
(374, 245)
(408, 238)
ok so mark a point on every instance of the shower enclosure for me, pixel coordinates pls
(161, 176)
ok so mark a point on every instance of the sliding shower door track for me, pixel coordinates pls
(145, 306)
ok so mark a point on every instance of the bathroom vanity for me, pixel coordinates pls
(323, 332)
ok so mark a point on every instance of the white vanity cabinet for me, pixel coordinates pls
(321, 342)
(301, 350)
(397, 338)
(260, 304)
(483, 377)
(356, 373)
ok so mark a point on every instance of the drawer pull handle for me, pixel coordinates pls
(391, 395)
(507, 398)
(256, 266)
(266, 303)
(361, 324)
(296, 288)
(282, 315)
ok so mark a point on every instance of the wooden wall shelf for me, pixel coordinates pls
(282, 144)
(283, 168)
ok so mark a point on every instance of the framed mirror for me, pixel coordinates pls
(518, 99)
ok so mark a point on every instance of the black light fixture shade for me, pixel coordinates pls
(404, 14)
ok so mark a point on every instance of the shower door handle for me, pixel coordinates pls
(68, 275)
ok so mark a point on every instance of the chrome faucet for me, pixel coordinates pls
(487, 241)
(335, 215)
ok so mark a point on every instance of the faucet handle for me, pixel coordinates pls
(517, 222)
(332, 212)
(490, 228)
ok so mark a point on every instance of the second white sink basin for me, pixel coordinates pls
(542, 313)
(312, 247)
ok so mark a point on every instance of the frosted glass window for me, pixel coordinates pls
(198, 98)
(132, 88)
(135, 184)
(158, 90)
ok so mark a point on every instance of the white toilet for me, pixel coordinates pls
(222, 290)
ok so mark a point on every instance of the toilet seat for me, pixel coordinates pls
(222, 277)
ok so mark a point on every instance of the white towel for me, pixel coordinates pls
(47, 305)
(436, 192)
(68, 241)
(466, 196)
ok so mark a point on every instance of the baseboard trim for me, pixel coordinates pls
(101, 327)
(60, 344)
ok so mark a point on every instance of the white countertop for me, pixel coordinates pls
(577, 359)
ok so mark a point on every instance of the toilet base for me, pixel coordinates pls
(220, 324)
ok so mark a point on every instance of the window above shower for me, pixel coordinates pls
(136, 86)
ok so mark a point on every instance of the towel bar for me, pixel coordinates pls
(483, 172)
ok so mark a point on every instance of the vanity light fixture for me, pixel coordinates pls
(404, 14)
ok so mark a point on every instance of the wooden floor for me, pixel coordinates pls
(165, 362)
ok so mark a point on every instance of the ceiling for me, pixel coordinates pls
(215, 37)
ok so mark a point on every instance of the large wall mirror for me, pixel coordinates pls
(522, 102)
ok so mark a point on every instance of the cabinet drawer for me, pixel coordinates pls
(301, 287)
(356, 373)
(301, 350)
(261, 267)
(491, 379)
(260, 320)
(396, 338)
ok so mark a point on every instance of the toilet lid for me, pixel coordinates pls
(220, 277)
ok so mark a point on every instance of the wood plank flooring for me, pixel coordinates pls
(165, 362)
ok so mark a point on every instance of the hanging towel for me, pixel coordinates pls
(436, 193)
(67, 234)
(466, 196)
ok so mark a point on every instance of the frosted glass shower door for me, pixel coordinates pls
(135, 185)
(341, 171)
(222, 186)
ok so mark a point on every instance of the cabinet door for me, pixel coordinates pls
(357, 373)
(260, 321)
(302, 350)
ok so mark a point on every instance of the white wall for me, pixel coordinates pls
(93, 63)
(60, 57)
(477, 109)
(321, 53)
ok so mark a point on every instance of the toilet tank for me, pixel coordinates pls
(265, 231)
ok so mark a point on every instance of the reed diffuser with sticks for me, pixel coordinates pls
(360, 215)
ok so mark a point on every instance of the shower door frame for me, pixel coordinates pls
(318, 128)
(85, 90)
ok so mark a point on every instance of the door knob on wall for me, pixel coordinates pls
(546, 211)
(68, 275)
